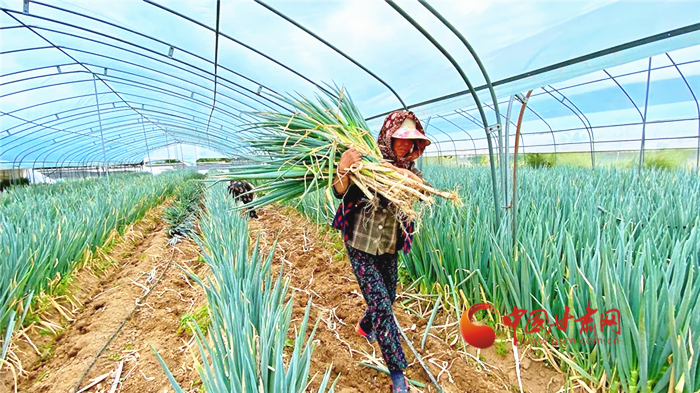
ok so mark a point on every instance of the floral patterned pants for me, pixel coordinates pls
(376, 275)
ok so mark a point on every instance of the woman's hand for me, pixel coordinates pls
(341, 182)
(348, 159)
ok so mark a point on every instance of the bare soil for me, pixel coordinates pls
(317, 267)
(107, 298)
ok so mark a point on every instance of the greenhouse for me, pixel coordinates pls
(351, 196)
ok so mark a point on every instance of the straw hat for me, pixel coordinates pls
(408, 130)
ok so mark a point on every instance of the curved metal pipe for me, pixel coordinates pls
(588, 127)
(507, 143)
(514, 201)
(697, 107)
(605, 52)
(138, 115)
(331, 46)
(494, 182)
(131, 83)
(454, 145)
(126, 132)
(115, 109)
(51, 149)
(644, 120)
(461, 129)
(241, 43)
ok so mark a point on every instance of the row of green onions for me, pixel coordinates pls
(46, 229)
(606, 237)
(243, 349)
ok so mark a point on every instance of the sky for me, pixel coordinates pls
(148, 100)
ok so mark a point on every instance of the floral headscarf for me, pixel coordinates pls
(391, 124)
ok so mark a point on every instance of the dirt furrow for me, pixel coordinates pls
(108, 298)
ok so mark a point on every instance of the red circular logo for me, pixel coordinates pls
(477, 336)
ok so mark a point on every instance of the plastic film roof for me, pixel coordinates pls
(142, 75)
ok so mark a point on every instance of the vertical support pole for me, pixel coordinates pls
(644, 118)
(514, 201)
(182, 156)
(167, 147)
(507, 150)
(102, 138)
(420, 159)
(148, 150)
(501, 159)
(494, 177)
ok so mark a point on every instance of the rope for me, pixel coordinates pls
(420, 359)
(139, 302)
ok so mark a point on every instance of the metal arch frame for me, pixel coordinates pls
(29, 129)
(334, 48)
(604, 52)
(135, 127)
(156, 40)
(118, 79)
(142, 116)
(74, 60)
(136, 95)
(89, 71)
(60, 48)
(48, 150)
(70, 152)
(437, 146)
(581, 117)
(593, 81)
(454, 145)
(416, 25)
(91, 135)
(130, 155)
(241, 43)
(184, 98)
(642, 116)
(490, 86)
(11, 114)
(124, 132)
(691, 27)
(522, 140)
(694, 119)
(173, 134)
(102, 138)
(697, 107)
(459, 128)
(465, 113)
(551, 131)
(432, 139)
(216, 69)
(128, 63)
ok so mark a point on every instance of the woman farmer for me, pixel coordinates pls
(373, 234)
(243, 191)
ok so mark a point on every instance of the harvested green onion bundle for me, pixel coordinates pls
(303, 149)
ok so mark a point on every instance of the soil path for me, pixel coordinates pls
(140, 259)
(316, 267)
